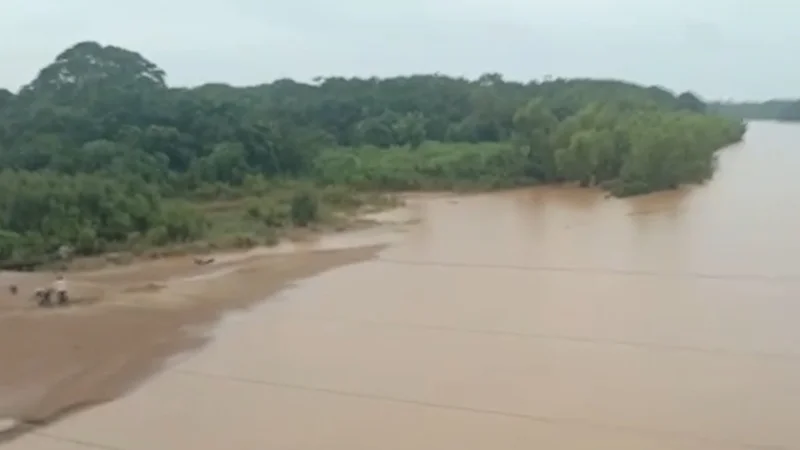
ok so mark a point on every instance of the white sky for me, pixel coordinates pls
(739, 49)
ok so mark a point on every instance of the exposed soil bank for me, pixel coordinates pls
(125, 324)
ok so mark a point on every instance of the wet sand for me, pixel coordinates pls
(551, 318)
(125, 323)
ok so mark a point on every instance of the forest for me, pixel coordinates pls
(99, 153)
(778, 109)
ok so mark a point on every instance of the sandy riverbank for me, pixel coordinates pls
(129, 320)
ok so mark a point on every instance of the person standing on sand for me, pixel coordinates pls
(60, 289)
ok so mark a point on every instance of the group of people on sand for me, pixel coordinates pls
(45, 296)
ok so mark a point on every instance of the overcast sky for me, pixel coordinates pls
(742, 49)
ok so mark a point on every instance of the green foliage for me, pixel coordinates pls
(790, 112)
(779, 109)
(44, 210)
(270, 213)
(305, 208)
(432, 166)
(98, 153)
(635, 151)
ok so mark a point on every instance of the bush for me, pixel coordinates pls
(341, 196)
(275, 214)
(304, 208)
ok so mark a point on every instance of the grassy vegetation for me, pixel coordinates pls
(258, 219)
(260, 214)
(432, 166)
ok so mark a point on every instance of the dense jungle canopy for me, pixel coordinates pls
(98, 151)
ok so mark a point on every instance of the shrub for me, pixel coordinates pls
(304, 208)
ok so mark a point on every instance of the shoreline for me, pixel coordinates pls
(132, 319)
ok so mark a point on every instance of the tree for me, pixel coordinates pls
(98, 153)
(88, 64)
(410, 130)
(534, 125)
(6, 97)
(690, 102)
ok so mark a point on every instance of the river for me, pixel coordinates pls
(549, 318)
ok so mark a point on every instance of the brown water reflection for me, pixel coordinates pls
(545, 318)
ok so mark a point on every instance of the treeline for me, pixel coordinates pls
(97, 151)
(781, 110)
(627, 148)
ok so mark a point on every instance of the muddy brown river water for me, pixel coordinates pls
(549, 318)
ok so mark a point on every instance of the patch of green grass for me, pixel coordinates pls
(433, 166)
(263, 218)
